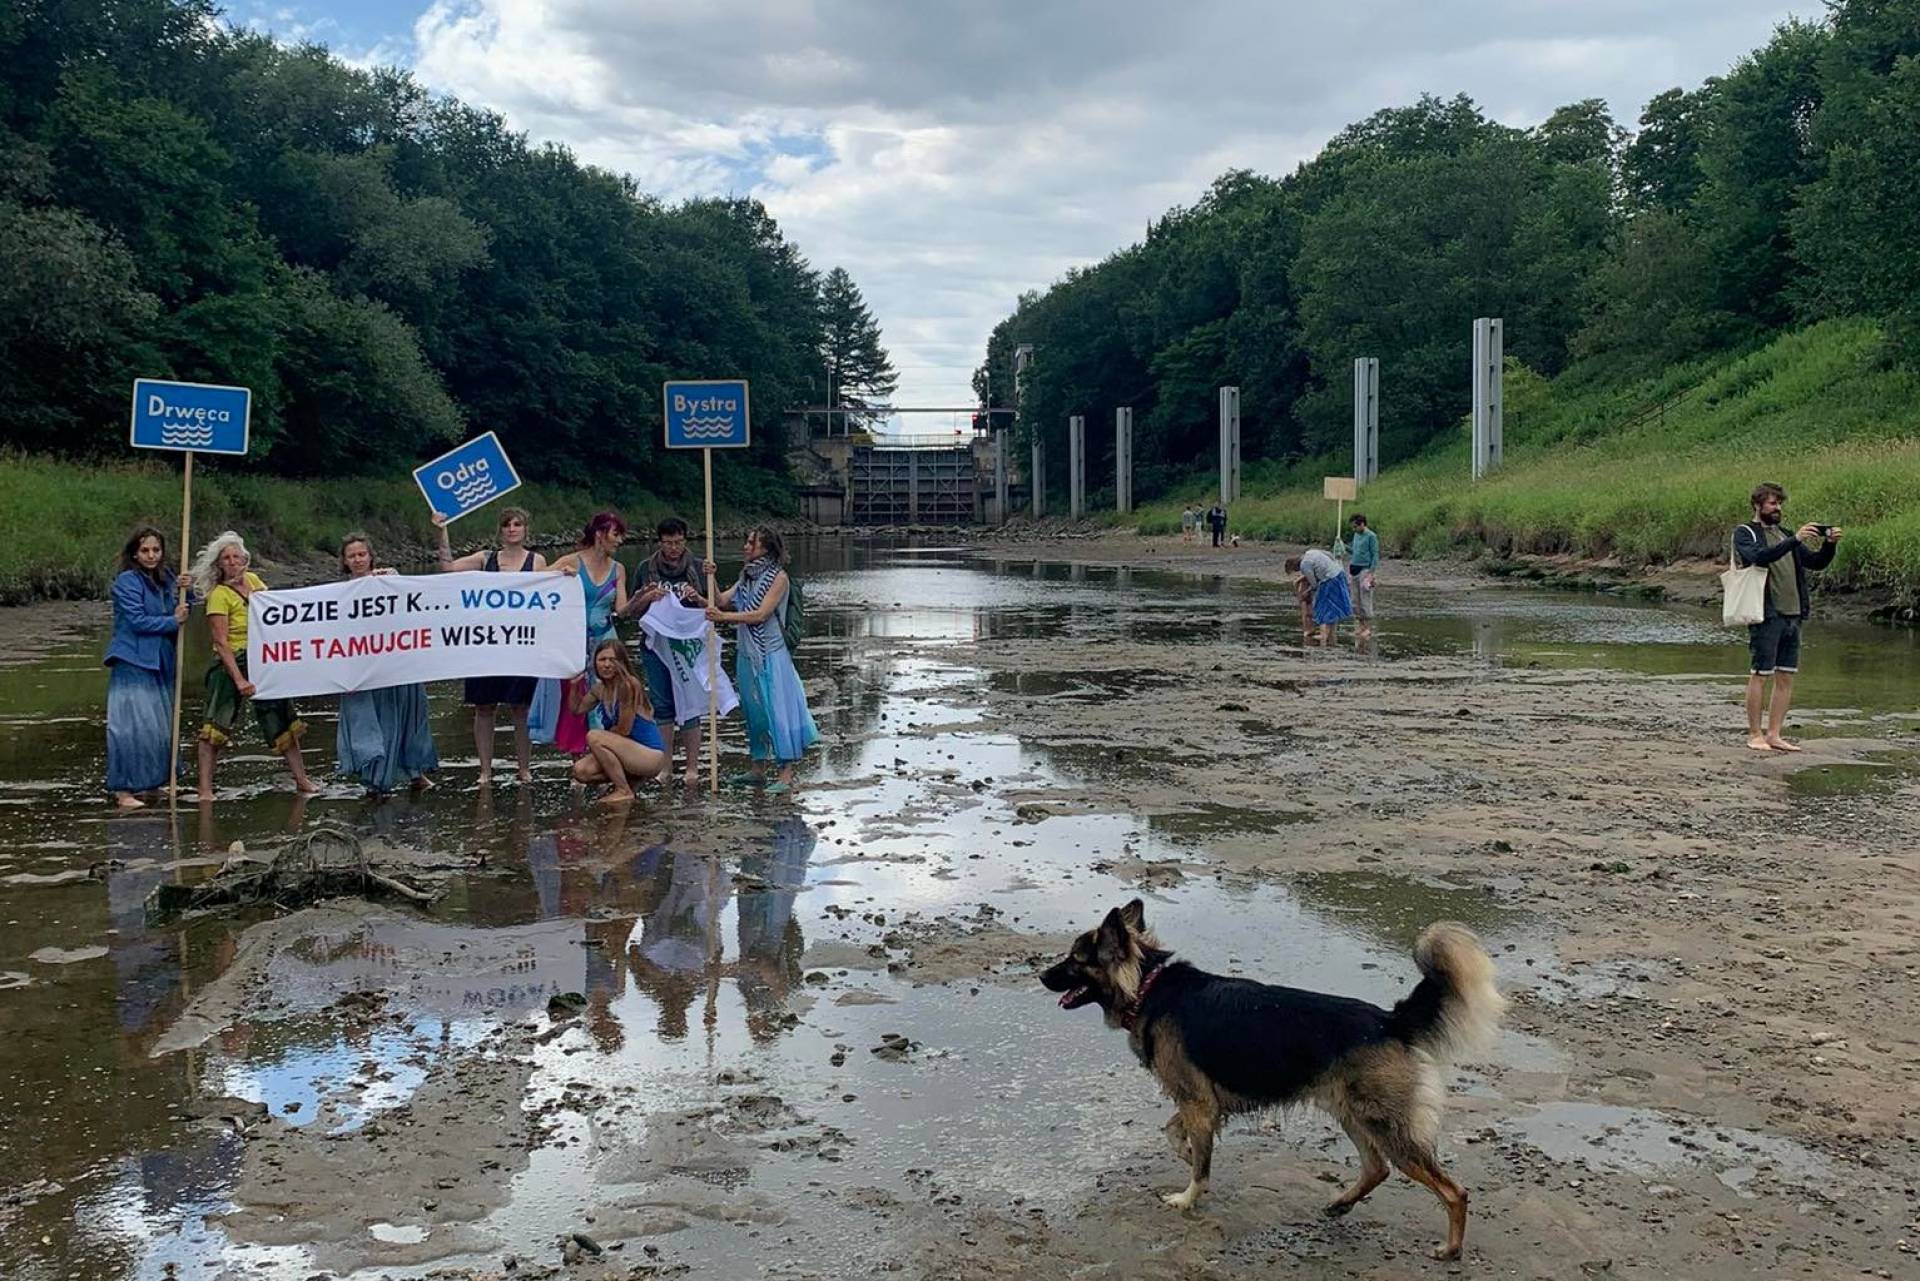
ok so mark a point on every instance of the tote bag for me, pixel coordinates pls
(1746, 593)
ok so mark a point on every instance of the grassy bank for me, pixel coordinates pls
(70, 518)
(1593, 469)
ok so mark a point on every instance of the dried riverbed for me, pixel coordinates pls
(811, 1044)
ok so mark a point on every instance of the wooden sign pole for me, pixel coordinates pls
(180, 633)
(713, 646)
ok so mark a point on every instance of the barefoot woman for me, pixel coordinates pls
(624, 746)
(139, 663)
(221, 572)
(487, 694)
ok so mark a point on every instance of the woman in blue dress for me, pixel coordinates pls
(384, 738)
(147, 613)
(624, 746)
(779, 727)
(603, 581)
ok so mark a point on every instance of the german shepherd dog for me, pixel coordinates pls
(1225, 1046)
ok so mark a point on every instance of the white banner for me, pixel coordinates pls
(390, 629)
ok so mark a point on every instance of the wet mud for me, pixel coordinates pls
(802, 1037)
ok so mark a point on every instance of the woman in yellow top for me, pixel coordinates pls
(227, 584)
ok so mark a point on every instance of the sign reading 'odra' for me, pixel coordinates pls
(468, 478)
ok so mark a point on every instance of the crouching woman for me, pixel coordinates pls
(624, 746)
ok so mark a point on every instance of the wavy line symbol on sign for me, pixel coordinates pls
(476, 490)
(189, 437)
(708, 428)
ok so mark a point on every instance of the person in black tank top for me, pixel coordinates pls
(486, 694)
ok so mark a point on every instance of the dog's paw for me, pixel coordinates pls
(1182, 1200)
(1338, 1209)
(1444, 1254)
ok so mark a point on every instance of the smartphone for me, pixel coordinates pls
(1824, 530)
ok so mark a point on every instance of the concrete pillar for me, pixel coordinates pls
(1366, 419)
(1123, 460)
(1076, 467)
(1038, 481)
(1489, 398)
(1229, 445)
(1000, 447)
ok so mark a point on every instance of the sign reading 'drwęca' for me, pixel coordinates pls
(393, 629)
(468, 478)
(202, 418)
(710, 414)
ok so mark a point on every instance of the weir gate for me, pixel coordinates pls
(880, 481)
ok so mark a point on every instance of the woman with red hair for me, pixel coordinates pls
(603, 581)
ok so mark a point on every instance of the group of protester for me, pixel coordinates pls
(619, 724)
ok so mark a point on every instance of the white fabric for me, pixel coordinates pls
(1746, 588)
(393, 629)
(678, 637)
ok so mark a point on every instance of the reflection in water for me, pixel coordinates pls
(677, 905)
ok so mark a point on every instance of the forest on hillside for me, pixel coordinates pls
(1783, 192)
(388, 270)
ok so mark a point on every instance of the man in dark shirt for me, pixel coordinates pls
(1217, 522)
(1774, 642)
(671, 570)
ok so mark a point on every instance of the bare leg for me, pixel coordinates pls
(1425, 1171)
(297, 766)
(618, 788)
(205, 751)
(1777, 722)
(483, 740)
(587, 771)
(1756, 697)
(1373, 1172)
(690, 742)
(522, 742)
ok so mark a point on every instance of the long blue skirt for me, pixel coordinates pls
(779, 726)
(139, 728)
(384, 739)
(1333, 602)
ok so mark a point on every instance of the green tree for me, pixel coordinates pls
(1757, 154)
(1660, 166)
(1857, 227)
(850, 346)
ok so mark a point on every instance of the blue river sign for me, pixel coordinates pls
(708, 414)
(193, 417)
(467, 478)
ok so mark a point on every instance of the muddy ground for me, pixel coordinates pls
(1711, 1069)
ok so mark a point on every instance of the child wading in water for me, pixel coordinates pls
(624, 746)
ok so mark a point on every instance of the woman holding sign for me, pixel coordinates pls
(384, 736)
(224, 580)
(779, 727)
(139, 662)
(485, 694)
(603, 580)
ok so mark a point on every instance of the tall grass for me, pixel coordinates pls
(68, 520)
(1819, 411)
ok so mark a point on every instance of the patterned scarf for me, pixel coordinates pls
(756, 579)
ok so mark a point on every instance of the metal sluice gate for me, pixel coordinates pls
(913, 486)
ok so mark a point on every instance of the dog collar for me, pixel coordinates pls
(1146, 985)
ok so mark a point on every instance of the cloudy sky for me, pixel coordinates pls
(954, 155)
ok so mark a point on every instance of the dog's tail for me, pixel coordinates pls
(1455, 1009)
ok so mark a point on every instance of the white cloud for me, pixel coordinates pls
(952, 156)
